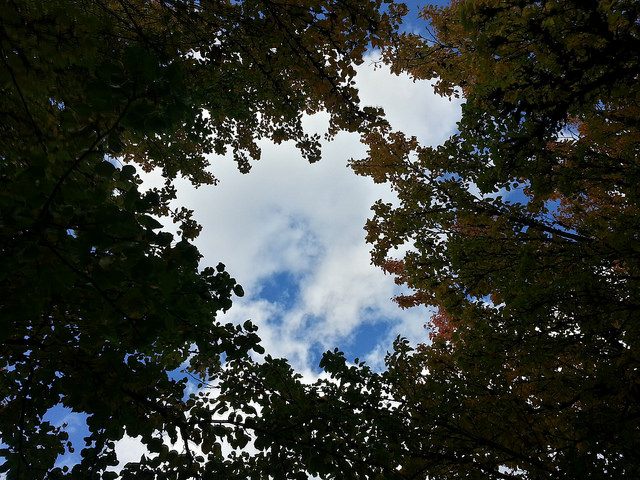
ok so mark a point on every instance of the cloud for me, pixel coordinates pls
(292, 233)
(410, 107)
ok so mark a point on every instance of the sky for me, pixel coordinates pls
(292, 234)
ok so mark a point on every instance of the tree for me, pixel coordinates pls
(540, 288)
(98, 304)
(522, 230)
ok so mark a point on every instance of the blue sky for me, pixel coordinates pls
(412, 22)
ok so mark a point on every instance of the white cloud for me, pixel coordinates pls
(411, 107)
(302, 224)
(129, 449)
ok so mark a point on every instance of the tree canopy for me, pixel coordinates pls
(522, 230)
(98, 304)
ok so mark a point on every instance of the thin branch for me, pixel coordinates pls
(87, 152)
(37, 130)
